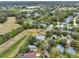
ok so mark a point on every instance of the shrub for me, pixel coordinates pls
(24, 49)
(75, 44)
(2, 19)
(75, 35)
(63, 42)
(77, 30)
(53, 52)
(49, 33)
(31, 40)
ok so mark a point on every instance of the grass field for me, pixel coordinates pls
(8, 25)
(8, 53)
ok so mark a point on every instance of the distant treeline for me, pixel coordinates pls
(32, 3)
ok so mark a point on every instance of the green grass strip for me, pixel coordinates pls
(11, 49)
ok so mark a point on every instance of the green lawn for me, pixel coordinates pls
(11, 49)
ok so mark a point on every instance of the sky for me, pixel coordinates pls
(39, 0)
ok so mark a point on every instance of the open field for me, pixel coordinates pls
(8, 25)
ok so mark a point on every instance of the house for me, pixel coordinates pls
(52, 39)
(71, 51)
(29, 55)
(63, 37)
(37, 15)
(62, 25)
(50, 27)
(68, 19)
(32, 47)
(39, 24)
(33, 7)
(60, 48)
(40, 37)
(67, 8)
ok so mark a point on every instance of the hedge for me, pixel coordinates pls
(3, 19)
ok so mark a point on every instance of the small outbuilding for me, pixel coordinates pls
(32, 47)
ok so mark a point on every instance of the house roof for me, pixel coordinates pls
(40, 37)
(32, 46)
(29, 55)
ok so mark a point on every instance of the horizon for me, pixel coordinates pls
(39, 0)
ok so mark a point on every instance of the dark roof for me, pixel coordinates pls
(29, 55)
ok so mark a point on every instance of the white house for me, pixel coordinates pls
(32, 47)
(40, 37)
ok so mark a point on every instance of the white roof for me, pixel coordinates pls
(40, 37)
(37, 54)
(26, 10)
(31, 46)
(50, 27)
(33, 7)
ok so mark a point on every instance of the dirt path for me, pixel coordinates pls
(8, 25)
(13, 40)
